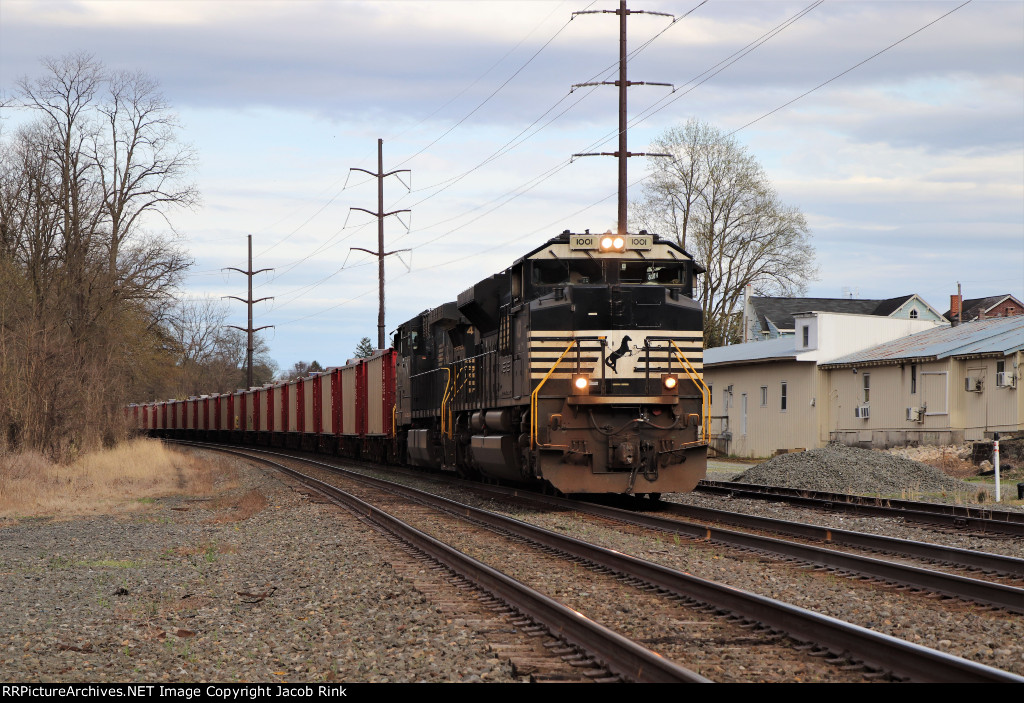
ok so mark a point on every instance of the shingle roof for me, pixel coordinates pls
(781, 310)
(998, 335)
(971, 309)
(888, 307)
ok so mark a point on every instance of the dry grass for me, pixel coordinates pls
(235, 508)
(121, 479)
(952, 465)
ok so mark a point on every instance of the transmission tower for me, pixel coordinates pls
(380, 215)
(623, 153)
(249, 301)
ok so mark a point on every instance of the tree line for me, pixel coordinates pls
(89, 263)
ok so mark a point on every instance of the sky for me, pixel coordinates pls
(908, 164)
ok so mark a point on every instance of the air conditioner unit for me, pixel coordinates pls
(972, 384)
(915, 414)
(862, 412)
(1005, 379)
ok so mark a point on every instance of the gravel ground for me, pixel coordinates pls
(966, 630)
(185, 591)
(709, 645)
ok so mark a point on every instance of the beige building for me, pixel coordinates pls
(773, 395)
(939, 387)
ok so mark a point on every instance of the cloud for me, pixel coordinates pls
(910, 168)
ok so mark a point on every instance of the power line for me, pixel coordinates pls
(478, 79)
(526, 187)
(509, 196)
(513, 143)
(489, 97)
(851, 68)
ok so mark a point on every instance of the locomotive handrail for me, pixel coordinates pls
(444, 403)
(536, 392)
(698, 381)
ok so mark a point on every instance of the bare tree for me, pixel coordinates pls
(139, 161)
(300, 369)
(209, 355)
(84, 286)
(716, 200)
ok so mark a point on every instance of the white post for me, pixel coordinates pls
(995, 464)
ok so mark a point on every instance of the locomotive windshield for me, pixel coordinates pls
(666, 273)
(562, 272)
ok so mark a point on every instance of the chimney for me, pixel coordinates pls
(954, 309)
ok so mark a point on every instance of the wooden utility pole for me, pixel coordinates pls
(380, 215)
(623, 153)
(249, 301)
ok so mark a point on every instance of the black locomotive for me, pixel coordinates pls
(579, 366)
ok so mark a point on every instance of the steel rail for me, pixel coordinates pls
(958, 516)
(877, 650)
(987, 562)
(954, 556)
(612, 651)
(988, 593)
(985, 592)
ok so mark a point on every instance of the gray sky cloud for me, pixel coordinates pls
(914, 161)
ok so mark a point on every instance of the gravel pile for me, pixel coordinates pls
(837, 468)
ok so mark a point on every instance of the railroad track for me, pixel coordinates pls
(959, 517)
(842, 640)
(999, 595)
(985, 592)
(609, 655)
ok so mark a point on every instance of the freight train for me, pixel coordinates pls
(579, 367)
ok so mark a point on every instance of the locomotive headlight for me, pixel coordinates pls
(612, 243)
(580, 385)
(670, 381)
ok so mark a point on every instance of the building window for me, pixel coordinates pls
(807, 336)
(867, 387)
(743, 414)
(913, 379)
(764, 396)
(1000, 366)
(782, 400)
(913, 314)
